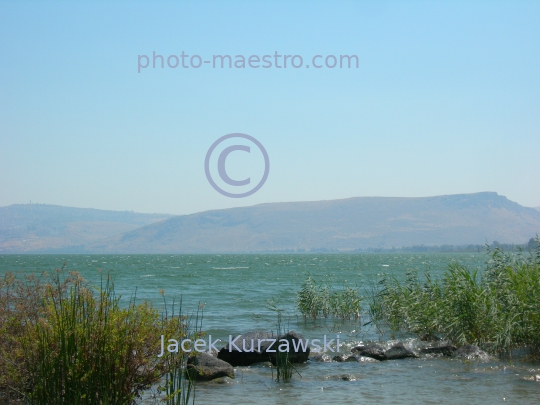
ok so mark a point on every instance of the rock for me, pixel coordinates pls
(471, 352)
(256, 347)
(445, 348)
(363, 359)
(346, 377)
(322, 357)
(222, 381)
(298, 347)
(372, 350)
(246, 354)
(343, 377)
(205, 367)
(398, 351)
(379, 352)
(345, 357)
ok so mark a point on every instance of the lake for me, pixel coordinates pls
(233, 292)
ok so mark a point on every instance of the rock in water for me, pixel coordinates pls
(471, 352)
(205, 367)
(322, 358)
(398, 351)
(379, 352)
(345, 357)
(256, 347)
(445, 348)
(372, 350)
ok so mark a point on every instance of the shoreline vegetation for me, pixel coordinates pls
(65, 341)
(531, 245)
(497, 309)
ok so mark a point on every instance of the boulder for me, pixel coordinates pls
(440, 348)
(398, 351)
(256, 347)
(344, 357)
(322, 358)
(298, 347)
(373, 350)
(364, 359)
(205, 367)
(379, 352)
(471, 352)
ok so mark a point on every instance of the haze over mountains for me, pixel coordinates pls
(50, 228)
(348, 224)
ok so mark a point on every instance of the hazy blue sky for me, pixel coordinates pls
(446, 99)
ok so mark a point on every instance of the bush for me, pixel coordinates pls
(63, 342)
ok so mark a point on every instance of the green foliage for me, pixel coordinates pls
(499, 310)
(64, 342)
(179, 383)
(284, 367)
(316, 301)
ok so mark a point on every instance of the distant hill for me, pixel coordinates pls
(52, 228)
(364, 222)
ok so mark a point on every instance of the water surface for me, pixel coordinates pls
(233, 291)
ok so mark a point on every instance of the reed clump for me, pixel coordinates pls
(64, 341)
(316, 300)
(283, 365)
(498, 309)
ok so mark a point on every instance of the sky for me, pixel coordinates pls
(445, 99)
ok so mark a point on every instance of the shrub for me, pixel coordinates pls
(63, 342)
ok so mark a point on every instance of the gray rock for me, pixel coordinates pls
(364, 359)
(205, 367)
(379, 352)
(471, 352)
(444, 348)
(398, 351)
(345, 357)
(344, 377)
(256, 347)
(321, 357)
(373, 350)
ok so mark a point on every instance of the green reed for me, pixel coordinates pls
(179, 384)
(498, 309)
(321, 300)
(283, 365)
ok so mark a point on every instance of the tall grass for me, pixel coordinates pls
(178, 384)
(284, 367)
(498, 309)
(66, 342)
(321, 300)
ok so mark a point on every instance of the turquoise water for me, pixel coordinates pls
(233, 291)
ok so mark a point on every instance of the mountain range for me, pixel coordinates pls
(342, 225)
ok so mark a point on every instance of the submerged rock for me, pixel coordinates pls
(373, 350)
(257, 347)
(379, 352)
(205, 367)
(364, 359)
(471, 352)
(344, 377)
(345, 357)
(399, 351)
(322, 358)
(442, 348)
